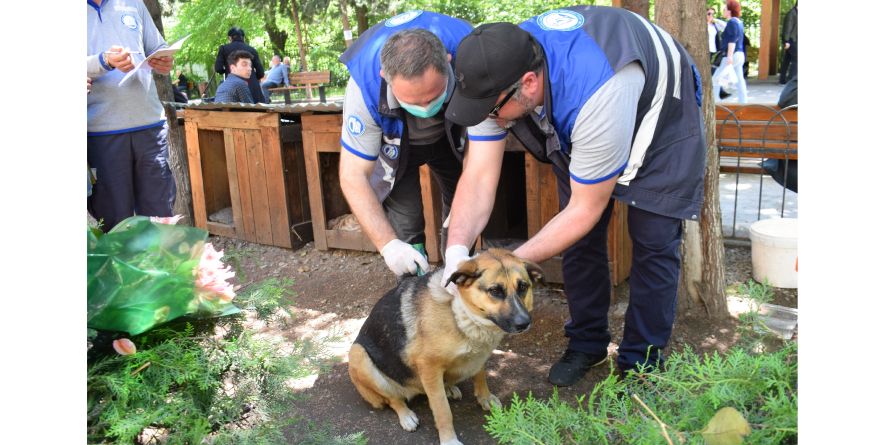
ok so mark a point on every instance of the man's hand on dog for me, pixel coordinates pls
(402, 258)
(454, 255)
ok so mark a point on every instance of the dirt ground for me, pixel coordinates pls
(335, 290)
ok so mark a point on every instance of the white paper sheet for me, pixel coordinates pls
(162, 52)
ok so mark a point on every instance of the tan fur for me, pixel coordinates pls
(453, 338)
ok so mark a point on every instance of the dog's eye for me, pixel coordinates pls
(496, 292)
(522, 286)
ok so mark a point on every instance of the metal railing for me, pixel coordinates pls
(767, 184)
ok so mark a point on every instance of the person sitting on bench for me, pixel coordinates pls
(277, 77)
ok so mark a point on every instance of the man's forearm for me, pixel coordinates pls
(373, 222)
(470, 212)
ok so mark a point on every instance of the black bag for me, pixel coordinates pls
(782, 171)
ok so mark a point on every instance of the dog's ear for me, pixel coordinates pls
(467, 272)
(534, 271)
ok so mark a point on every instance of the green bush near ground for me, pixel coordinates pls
(204, 381)
(679, 401)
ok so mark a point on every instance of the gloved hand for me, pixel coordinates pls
(402, 258)
(454, 256)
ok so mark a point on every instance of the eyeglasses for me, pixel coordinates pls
(494, 112)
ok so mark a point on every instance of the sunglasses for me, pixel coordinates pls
(494, 112)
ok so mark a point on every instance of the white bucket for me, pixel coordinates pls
(774, 251)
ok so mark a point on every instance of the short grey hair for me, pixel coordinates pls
(410, 52)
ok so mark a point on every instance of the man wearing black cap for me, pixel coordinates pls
(236, 43)
(613, 102)
(400, 86)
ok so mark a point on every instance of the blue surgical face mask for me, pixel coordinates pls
(425, 112)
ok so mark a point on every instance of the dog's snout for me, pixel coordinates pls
(522, 323)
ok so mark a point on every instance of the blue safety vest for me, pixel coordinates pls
(363, 60)
(584, 47)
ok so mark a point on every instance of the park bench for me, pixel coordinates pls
(306, 80)
(751, 132)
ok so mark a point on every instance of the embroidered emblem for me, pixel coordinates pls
(560, 20)
(129, 21)
(391, 151)
(400, 19)
(355, 125)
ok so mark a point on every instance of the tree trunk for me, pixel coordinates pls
(178, 152)
(301, 46)
(639, 6)
(362, 18)
(702, 283)
(346, 24)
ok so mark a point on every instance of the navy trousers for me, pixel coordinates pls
(654, 279)
(131, 175)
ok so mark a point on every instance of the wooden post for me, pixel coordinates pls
(768, 39)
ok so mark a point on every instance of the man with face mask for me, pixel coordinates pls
(401, 83)
(613, 102)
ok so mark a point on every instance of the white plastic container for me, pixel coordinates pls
(774, 251)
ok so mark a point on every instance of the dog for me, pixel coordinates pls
(419, 339)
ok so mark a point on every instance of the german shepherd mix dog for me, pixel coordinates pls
(419, 339)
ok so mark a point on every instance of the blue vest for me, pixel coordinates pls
(363, 60)
(584, 47)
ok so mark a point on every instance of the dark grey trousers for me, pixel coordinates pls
(403, 206)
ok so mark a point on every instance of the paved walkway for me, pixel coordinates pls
(752, 205)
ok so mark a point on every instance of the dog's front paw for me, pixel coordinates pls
(488, 402)
(453, 441)
(453, 393)
(409, 421)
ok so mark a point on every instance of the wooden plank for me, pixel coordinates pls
(326, 142)
(196, 173)
(309, 77)
(245, 186)
(322, 123)
(620, 246)
(277, 200)
(771, 153)
(755, 112)
(217, 228)
(233, 182)
(751, 131)
(351, 240)
(430, 198)
(219, 120)
(261, 215)
(534, 221)
(315, 193)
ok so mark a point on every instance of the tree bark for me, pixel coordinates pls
(178, 152)
(298, 36)
(362, 18)
(346, 24)
(702, 283)
(639, 6)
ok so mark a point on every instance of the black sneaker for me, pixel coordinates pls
(573, 366)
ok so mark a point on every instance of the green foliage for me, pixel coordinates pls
(189, 384)
(268, 298)
(685, 396)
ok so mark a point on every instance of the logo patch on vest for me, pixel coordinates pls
(400, 19)
(355, 125)
(560, 20)
(391, 151)
(129, 21)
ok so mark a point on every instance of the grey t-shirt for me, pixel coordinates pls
(603, 131)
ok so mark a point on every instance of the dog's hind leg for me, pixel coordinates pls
(408, 419)
(360, 369)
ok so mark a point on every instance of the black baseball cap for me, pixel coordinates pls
(488, 60)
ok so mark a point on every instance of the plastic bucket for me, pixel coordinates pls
(774, 251)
